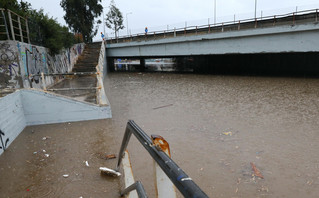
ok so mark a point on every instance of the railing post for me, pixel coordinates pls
(196, 29)
(5, 23)
(293, 19)
(43, 82)
(164, 186)
(27, 28)
(274, 21)
(316, 15)
(209, 28)
(222, 27)
(11, 26)
(239, 25)
(174, 31)
(21, 34)
(255, 22)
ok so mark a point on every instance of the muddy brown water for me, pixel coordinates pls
(216, 126)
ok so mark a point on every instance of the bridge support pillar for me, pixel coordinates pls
(110, 65)
(142, 64)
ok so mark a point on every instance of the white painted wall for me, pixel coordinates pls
(31, 107)
(12, 120)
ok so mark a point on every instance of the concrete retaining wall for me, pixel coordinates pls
(19, 61)
(31, 107)
(12, 119)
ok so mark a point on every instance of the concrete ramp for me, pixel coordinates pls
(34, 107)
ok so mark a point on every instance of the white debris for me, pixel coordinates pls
(44, 151)
(47, 155)
(87, 163)
(109, 171)
(66, 176)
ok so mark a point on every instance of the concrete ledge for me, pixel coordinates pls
(34, 107)
(46, 108)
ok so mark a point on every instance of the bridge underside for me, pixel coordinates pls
(297, 64)
(284, 49)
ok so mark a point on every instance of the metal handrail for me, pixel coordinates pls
(179, 178)
(17, 27)
(222, 24)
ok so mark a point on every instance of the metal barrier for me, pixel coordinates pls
(264, 21)
(17, 28)
(180, 179)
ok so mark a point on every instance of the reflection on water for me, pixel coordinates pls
(151, 65)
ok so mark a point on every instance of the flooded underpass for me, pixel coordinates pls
(217, 127)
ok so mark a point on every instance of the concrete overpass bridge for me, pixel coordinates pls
(295, 36)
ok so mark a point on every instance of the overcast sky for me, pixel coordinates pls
(163, 14)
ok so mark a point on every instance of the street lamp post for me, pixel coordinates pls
(214, 12)
(127, 21)
(103, 21)
(255, 9)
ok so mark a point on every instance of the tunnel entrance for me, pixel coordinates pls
(278, 64)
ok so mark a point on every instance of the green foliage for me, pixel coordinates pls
(80, 15)
(43, 30)
(114, 19)
(49, 32)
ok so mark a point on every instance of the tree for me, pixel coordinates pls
(114, 19)
(80, 15)
(43, 30)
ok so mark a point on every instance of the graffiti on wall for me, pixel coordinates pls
(4, 142)
(21, 64)
(9, 67)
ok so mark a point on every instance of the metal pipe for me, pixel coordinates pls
(136, 186)
(180, 179)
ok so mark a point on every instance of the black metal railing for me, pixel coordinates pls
(179, 178)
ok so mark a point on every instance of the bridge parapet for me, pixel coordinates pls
(290, 19)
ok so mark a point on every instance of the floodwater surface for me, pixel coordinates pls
(217, 127)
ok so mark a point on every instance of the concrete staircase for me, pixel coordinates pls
(89, 58)
(82, 87)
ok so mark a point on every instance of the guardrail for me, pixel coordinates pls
(179, 178)
(14, 26)
(258, 22)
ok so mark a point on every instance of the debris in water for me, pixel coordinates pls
(109, 172)
(35, 152)
(228, 133)
(111, 156)
(44, 151)
(47, 155)
(87, 163)
(256, 171)
(163, 106)
(45, 138)
(66, 176)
